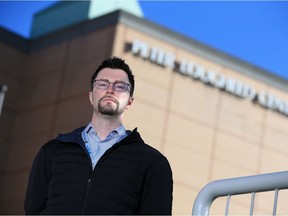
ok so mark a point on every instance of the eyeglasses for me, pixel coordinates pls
(116, 86)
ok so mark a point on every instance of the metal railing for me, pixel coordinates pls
(3, 89)
(236, 186)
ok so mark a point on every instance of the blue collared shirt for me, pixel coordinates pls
(97, 147)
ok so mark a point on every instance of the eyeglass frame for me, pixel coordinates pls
(127, 85)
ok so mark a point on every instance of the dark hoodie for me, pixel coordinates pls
(130, 178)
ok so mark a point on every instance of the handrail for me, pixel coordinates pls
(235, 186)
(3, 89)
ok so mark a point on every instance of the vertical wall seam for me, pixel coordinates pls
(167, 113)
(59, 91)
(214, 138)
(261, 141)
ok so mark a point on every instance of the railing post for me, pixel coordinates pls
(3, 89)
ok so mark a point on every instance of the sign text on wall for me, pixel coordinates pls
(199, 72)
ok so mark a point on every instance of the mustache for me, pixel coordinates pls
(109, 97)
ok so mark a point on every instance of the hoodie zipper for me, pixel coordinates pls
(109, 152)
(86, 196)
(89, 178)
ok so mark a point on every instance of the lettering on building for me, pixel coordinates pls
(197, 71)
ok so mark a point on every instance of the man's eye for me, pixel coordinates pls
(120, 86)
(101, 84)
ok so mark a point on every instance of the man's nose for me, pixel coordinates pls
(110, 88)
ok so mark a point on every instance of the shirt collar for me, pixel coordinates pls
(121, 131)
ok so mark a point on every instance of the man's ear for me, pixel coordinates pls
(91, 98)
(130, 101)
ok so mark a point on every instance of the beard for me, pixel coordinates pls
(108, 108)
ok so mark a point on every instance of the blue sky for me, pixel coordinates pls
(253, 31)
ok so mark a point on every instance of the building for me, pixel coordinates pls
(212, 116)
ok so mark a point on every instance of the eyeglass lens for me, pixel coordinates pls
(117, 86)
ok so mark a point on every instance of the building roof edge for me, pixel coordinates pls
(14, 39)
(208, 52)
(152, 29)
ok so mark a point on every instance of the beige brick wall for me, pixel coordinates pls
(206, 133)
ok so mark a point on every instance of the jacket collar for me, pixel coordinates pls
(75, 136)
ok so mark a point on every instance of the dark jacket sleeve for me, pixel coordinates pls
(157, 193)
(37, 190)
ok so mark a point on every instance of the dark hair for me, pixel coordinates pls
(116, 63)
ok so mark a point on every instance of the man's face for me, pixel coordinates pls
(110, 101)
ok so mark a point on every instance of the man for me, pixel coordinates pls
(101, 168)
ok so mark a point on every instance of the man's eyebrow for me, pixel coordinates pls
(113, 82)
(102, 79)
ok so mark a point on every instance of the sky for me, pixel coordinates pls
(253, 31)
